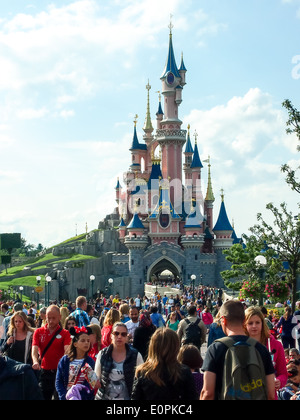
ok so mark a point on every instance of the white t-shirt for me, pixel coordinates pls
(131, 326)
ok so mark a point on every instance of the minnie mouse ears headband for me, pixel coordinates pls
(76, 332)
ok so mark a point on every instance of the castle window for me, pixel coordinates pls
(164, 220)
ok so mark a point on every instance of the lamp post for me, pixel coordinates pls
(261, 263)
(48, 280)
(110, 282)
(193, 278)
(92, 279)
(38, 285)
(21, 288)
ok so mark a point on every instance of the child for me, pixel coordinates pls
(190, 356)
(75, 378)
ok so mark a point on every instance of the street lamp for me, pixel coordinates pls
(38, 283)
(21, 288)
(92, 279)
(110, 282)
(48, 280)
(193, 278)
(261, 263)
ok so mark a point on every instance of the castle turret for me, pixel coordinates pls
(223, 229)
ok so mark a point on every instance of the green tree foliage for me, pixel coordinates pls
(293, 127)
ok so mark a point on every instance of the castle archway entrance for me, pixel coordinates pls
(163, 270)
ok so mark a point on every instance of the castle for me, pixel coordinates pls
(166, 222)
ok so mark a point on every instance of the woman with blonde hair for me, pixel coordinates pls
(111, 317)
(162, 377)
(64, 312)
(19, 339)
(257, 328)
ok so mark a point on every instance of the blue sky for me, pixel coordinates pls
(73, 76)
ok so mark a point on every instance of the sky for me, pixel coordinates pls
(73, 75)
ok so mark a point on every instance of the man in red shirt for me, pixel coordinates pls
(60, 344)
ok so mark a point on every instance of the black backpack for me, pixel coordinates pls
(193, 333)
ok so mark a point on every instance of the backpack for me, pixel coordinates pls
(193, 333)
(244, 374)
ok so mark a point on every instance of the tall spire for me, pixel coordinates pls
(148, 123)
(189, 148)
(171, 65)
(209, 192)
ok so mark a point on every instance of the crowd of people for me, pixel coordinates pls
(148, 348)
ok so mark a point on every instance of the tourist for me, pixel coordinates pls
(18, 382)
(207, 317)
(138, 302)
(111, 317)
(74, 367)
(173, 322)
(95, 340)
(190, 356)
(288, 322)
(49, 345)
(124, 312)
(157, 318)
(162, 377)
(6, 322)
(297, 315)
(257, 328)
(64, 313)
(143, 334)
(19, 339)
(90, 311)
(184, 328)
(70, 322)
(292, 389)
(215, 330)
(232, 320)
(115, 366)
(294, 354)
(133, 323)
(82, 318)
(41, 321)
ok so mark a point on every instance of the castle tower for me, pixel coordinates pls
(170, 136)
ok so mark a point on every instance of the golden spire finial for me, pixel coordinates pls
(188, 127)
(135, 119)
(148, 124)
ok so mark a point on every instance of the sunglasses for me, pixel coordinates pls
(117, 333)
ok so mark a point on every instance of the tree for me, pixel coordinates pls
(293, 125)
(283, 237)
(248, 277)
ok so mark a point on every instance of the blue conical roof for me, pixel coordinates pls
(155, 175)
(223, 221)
(189, 147)
(136, 145)
(122, 223)
(196, 163)
(171, 62)
(136, 223)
